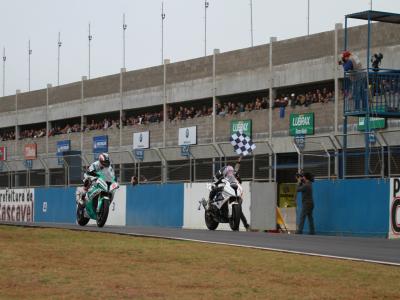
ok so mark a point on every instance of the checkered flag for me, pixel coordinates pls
(242, 144)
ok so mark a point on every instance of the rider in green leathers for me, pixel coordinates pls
(102, 162)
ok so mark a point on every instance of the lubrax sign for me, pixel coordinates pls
(301, 124)
(16, 205)
(394, 208)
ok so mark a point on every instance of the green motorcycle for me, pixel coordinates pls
(99, 197)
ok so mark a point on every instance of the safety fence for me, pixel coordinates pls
(326, 156)
(159, 165)
(156, 205)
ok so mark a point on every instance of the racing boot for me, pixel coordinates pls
(81, 196)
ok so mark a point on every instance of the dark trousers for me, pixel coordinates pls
(244, 220)
(307, 211)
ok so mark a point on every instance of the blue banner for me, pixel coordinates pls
(100, 145)
(139, 154)
(62, 146)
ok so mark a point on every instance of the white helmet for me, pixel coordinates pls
(228, 171)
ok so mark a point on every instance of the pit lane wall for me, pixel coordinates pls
(356, 207)
(163, 205)
(367, 207)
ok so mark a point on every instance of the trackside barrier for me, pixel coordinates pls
(155, 205)
(259, 206)
(194, 218)
(263, 205)
(358, 207)
(17, 205)
(55, 205)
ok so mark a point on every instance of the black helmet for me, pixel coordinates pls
(104, 160)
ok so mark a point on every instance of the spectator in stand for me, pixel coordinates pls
(292, 100)
(257, 105)
(264, 103)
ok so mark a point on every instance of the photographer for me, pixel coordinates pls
(305, 187)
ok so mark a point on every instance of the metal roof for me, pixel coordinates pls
(378, 16)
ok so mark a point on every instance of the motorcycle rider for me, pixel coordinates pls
(102, 162)
(229, 171)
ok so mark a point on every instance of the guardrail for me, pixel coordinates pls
(322, 155)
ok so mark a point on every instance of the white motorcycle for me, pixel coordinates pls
(224, 204)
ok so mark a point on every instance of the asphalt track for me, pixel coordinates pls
(374, 250)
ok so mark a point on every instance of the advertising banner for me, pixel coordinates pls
(188, 136)
(100, 145)
(374, 123)
(394, 209)
(139, 154)
(62, 146)
(16, 205)
(301, 124)
(30, 151)
(141, 140)
(244, 126)
(287, 195)
(3, 153)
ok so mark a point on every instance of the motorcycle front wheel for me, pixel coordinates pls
(80, 215)
(234, 220)
(210, 222)
(102, 214)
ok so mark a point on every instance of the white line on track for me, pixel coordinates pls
(264, 248)
(217, 243)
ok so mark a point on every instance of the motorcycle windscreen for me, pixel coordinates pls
(107, 174)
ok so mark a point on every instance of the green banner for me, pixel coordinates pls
(301, 124)
(374, 123)
(243, 126)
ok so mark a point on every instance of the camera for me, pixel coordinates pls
(376, 61)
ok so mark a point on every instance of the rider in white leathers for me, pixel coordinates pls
(229, 171)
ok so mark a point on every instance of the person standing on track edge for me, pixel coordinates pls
(305, 188)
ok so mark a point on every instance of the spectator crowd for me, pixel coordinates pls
(182, 113)
(7, 135)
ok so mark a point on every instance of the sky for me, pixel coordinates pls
(228, 28)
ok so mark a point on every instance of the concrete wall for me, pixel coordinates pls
(296, 61)
(194, 218)
(263, 205)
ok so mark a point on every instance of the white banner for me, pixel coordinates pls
(394, 209)
(194, 218)
(141, 140)
(188, 136)
(17, 205)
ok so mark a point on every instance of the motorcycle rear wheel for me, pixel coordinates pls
(210, 222)
(234, 220)
(80, 215)
(102, 215)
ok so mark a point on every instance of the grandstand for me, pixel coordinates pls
(302, 81)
